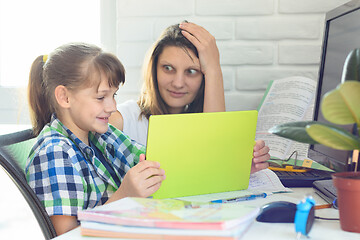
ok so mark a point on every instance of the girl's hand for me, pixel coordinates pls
(141, 180)
(261, 156)
(205, 43)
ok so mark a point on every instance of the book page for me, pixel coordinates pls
(287, 100)
(264, 181)
(302, 148)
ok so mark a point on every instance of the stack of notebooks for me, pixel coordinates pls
(144, 218)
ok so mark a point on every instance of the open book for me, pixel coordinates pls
(147, 218)
(286, 100)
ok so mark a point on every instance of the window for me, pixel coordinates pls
(32, 28)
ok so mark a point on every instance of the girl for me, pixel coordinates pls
(183, 75)
(79, 160)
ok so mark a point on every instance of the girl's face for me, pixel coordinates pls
(179, 77)
(90, 109)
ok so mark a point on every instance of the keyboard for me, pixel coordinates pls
(302, 179)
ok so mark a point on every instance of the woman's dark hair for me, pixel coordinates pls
(151, 102)
(72, 65)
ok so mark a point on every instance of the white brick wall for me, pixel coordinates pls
(258, 40)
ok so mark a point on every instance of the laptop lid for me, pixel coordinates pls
(326, 190)
(202, 153)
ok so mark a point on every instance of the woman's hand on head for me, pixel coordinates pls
(205, 43)
(260, 156)
(141, 180)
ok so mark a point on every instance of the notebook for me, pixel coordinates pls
(202, 153)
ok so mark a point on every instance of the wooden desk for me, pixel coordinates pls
(322, 229)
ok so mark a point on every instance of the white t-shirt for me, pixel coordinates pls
(134, 127)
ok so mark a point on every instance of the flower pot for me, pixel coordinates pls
(348, 191)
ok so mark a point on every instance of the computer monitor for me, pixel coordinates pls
(341, 35)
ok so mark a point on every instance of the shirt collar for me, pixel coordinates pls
(58, 126)
(95, 138)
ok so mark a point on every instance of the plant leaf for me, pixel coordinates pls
(333, 136)
(341, 105)
(351, 70)
(294, 130)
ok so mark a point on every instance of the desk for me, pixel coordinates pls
(322, 229)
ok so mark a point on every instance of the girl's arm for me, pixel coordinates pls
(63, 224)
(42, 176)
(142, 180)
(205, 43)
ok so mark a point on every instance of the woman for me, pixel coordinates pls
(183, 75)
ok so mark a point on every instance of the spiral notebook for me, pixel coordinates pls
(202, 153)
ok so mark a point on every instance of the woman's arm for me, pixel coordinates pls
(260, 156)
(117, 120)
(205, 43)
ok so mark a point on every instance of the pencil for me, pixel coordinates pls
(329, 205)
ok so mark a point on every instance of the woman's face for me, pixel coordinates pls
(179, 77)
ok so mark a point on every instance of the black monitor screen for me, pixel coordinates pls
(342, 35)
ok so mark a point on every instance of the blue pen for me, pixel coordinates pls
(239, 199)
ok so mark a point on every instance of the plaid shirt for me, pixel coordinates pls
(66, 175)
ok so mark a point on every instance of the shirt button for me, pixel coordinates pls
(88, 151)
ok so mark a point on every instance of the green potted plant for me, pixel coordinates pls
(340, 106)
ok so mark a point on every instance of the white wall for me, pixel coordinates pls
(13, 106)
(259, 40)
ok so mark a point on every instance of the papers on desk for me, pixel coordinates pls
(265, 181)
(166, 218)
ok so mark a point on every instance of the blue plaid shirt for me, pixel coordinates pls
(66, 175)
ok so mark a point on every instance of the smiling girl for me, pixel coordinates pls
(79, 160)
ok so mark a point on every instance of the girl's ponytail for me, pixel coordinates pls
(40, 112)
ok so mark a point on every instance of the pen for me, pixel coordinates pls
(323, 206)
(335, 203)
(238, 199)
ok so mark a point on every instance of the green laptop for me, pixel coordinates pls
(202, 153)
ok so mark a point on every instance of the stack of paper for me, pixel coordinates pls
(167, 219)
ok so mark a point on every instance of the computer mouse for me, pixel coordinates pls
(277, 212)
